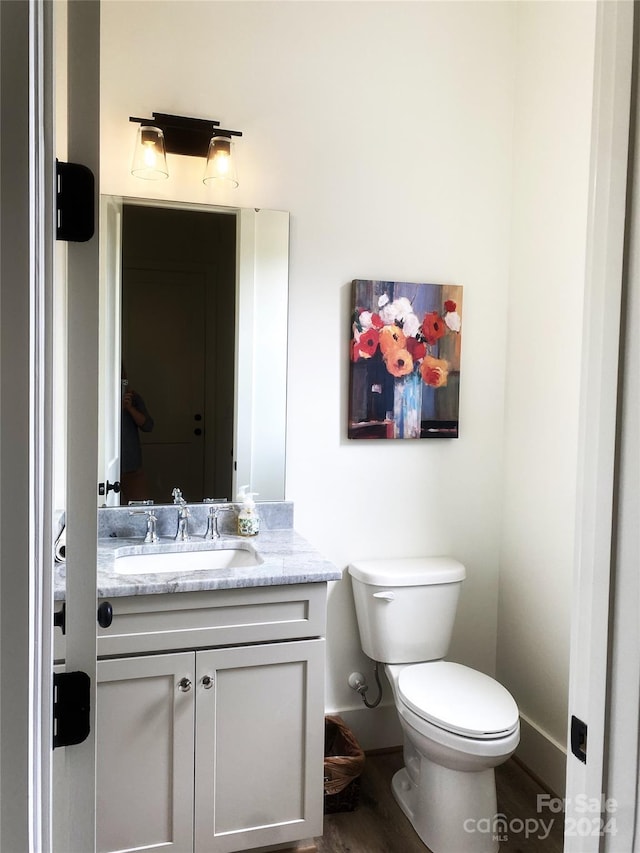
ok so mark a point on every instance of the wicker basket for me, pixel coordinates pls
(343, 763)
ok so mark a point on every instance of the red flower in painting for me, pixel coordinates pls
(417, 348)
(433, 327)
(376, 321)
(450, 305)
(368, 343)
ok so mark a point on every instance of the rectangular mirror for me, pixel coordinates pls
(193, 350)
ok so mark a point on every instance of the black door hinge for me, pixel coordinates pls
(75, 202)
(71, 708)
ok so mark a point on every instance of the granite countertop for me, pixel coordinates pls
(286, 557)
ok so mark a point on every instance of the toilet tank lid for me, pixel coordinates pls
(408, 571)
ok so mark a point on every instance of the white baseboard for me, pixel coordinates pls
(543, 756)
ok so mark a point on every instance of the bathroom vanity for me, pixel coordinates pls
(210, 708)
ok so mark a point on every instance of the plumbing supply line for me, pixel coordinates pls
(362, 688)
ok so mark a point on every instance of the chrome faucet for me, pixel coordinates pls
(151, 535)
(212, 520)
(184, 512)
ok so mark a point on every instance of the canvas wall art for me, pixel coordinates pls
(405, 360)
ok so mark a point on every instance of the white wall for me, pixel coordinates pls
(387, 130)
(550, 185)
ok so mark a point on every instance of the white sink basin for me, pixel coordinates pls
(186, 561)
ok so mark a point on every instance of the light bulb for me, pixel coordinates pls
(221, 163)
(149, 160)
(149, 156)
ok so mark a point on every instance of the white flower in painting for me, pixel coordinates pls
(399, 312)
(365, 320)
(452, 319)
(388, 315)
(382, 300)
(410, 325)
(403, 307)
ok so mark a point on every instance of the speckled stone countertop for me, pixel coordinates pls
(286, 557)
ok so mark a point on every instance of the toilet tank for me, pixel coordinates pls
(406, 607)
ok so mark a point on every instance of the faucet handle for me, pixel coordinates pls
(177, 496)
(151, 535)
(148, 512)
(212, 520)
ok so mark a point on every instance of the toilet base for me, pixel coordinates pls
(450, 810)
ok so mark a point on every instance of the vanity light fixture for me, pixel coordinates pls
(221, 164)
(193, 137)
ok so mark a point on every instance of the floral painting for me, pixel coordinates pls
(405, 360)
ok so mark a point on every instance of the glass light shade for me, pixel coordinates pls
(149, 158)
(221, 166)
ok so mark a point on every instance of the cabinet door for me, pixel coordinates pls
(260, 745)
(145, 753)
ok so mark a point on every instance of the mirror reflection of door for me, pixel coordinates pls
(178, 329)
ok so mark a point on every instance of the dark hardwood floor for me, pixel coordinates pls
(379, 826)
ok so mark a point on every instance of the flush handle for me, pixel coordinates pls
(387, 595)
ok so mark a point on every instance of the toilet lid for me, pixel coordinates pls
(458, 699)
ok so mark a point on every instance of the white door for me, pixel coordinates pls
(110, 386)
(82, 420)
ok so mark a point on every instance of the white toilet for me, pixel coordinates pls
(458, 723)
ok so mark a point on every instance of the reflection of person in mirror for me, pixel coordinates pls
(135, 417)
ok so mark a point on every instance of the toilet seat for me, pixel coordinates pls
(458, 699)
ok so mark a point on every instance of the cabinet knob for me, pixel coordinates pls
(184, 684)
(207, 682)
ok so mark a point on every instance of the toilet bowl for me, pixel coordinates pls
(447, 786)
(458, 724)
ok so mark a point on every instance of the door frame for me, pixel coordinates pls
(595, 501)
(26, 253)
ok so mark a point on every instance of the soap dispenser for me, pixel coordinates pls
(248, 519)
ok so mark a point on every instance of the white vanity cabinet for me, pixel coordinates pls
(210, 720)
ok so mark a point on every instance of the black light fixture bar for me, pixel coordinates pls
(184, 135)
